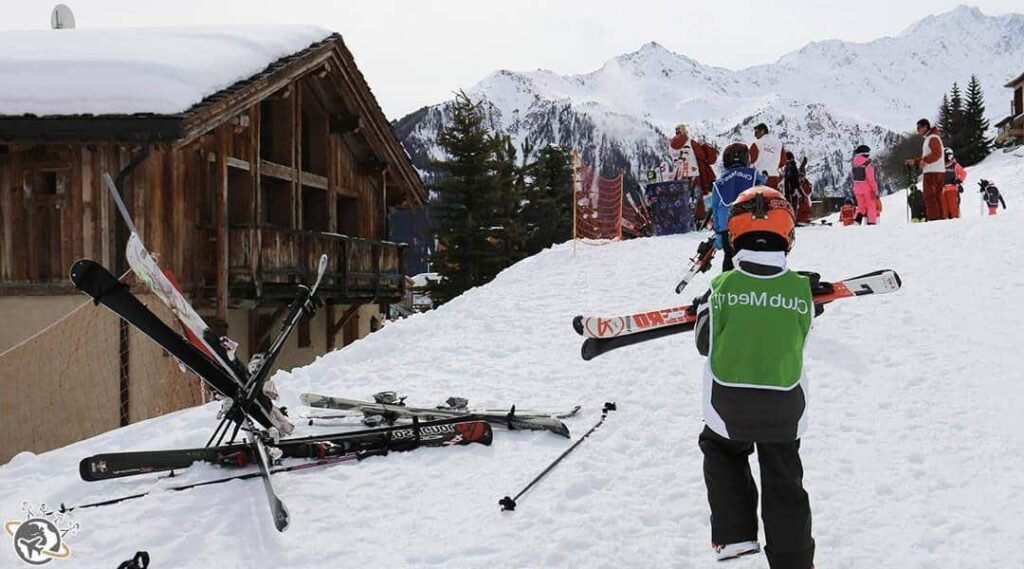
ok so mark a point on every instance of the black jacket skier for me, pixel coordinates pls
(991, 195)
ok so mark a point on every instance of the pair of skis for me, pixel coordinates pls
(319, 450)
(248, 395)
(604, 334)
(512, 419)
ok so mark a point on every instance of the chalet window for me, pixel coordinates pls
(277, 202)
(240, 197)
(46, 183)
(314, 209)
(314, 140)
(276, 131)
(348, 216)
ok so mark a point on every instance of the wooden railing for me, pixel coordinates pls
(268, 262)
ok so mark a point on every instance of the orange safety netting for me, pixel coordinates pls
(597, 204)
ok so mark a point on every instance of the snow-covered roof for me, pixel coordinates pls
(123, 71)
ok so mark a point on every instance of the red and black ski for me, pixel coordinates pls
(605, 334)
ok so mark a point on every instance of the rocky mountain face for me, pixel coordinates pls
(821, 100)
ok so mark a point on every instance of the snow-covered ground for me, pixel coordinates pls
(913, 458)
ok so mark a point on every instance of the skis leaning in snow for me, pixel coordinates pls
(604, 334)
(512, 419)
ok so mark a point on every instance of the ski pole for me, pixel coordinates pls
(508, 503)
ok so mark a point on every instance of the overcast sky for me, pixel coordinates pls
(417, 52)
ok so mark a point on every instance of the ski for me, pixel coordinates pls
(606, 334)
(145, 267)
(510, 418)
(290, 468)
(357, 414)
(700, 262)
(282, 518)
(103, 287)
(456, 431)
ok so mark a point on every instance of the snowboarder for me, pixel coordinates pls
(848, 212)
(737, 178)
(767, 155)
(865, 185)
(990, 193)
(931, 164)
(955, 176)
(693, 162)
(754, 397)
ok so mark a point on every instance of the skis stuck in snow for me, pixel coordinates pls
(247, 394)
(604, 334)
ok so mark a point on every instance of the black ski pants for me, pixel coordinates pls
(732, 494)
(727, 252)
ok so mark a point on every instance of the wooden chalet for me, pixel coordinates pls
(238, 195)
(1011, 128)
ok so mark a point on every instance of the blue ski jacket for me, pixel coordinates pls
(726, 189)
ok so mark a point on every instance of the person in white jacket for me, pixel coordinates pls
(767, 155)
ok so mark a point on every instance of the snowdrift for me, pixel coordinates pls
(912, 459)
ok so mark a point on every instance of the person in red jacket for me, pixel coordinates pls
(954, 177)
(933, 166)
(767, 155)
(693, 162)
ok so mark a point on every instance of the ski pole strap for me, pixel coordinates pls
(509, 504)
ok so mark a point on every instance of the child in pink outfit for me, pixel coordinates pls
(865, 186)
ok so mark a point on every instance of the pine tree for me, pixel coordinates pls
(466, 202)
(509, 232)
(945, 115)
(547, 212)
(954, 137)
(975, 126)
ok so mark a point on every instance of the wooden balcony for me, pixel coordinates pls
(267, 263)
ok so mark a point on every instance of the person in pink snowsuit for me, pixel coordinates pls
(865, 186)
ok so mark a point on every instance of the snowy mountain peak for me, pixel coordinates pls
(827, 97)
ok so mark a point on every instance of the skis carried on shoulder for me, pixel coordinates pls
(604, 334)
(511, 419)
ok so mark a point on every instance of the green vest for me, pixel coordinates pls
(758, 328)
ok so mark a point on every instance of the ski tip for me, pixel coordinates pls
(590, 349)
(282, 519)
(899, 281)
(577, 324)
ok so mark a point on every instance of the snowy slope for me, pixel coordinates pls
(822, 100)
(912, 458)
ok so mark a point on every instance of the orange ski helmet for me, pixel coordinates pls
(762, 210)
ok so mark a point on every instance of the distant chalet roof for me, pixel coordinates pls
(1015, 82)
(137, 71)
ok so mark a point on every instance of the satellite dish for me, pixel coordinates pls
(62, 18)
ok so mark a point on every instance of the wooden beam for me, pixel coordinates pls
(221, 222)
(296, 146)
(275, 170)
(206, 119)
(6, 266)
(238, 163)
(344, 124)
(313, 180)
(88, 205)
(333, 327)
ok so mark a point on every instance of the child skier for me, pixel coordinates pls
(955, 176)
(865, 185)
(752, 325)
(738, 177)
(847, 212)
(990, 193)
